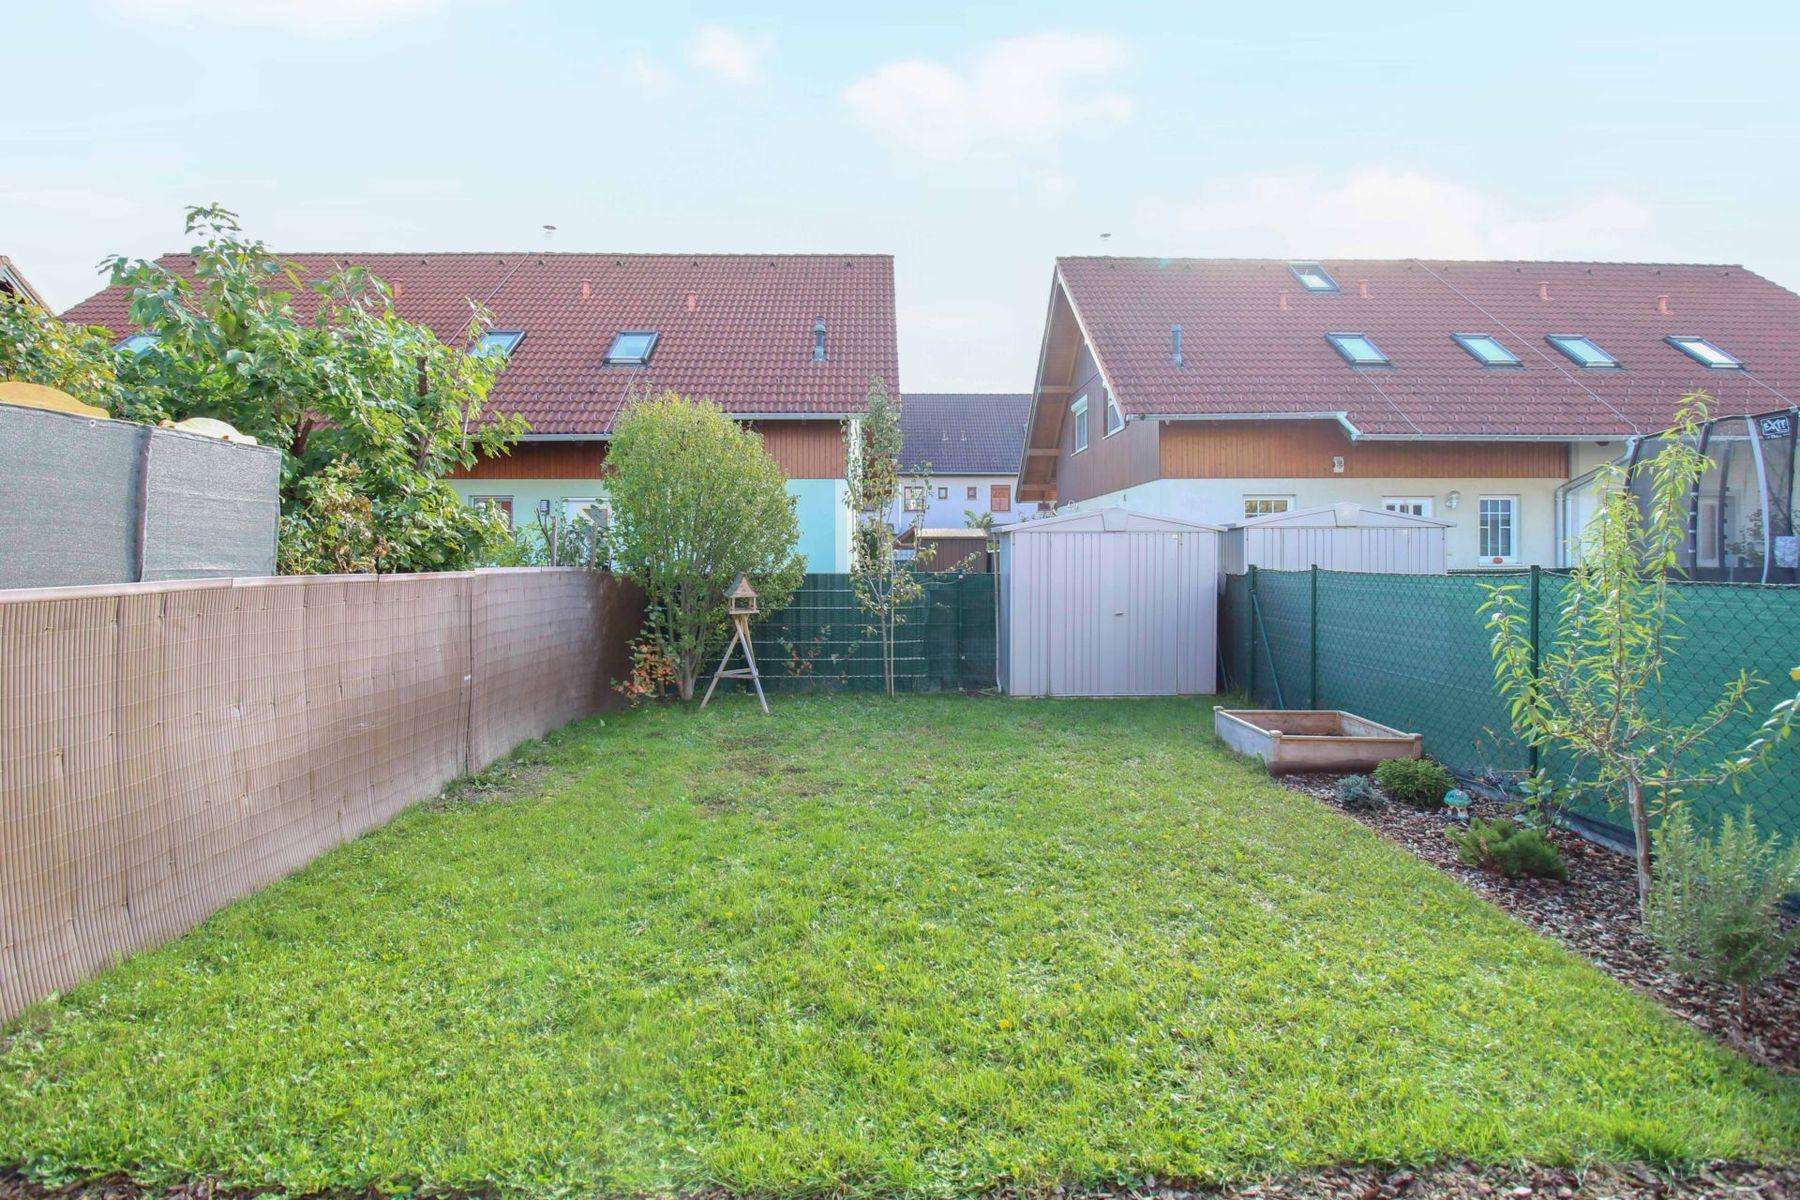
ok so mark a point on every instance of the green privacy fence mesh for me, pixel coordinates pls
(1411, 651)
(821, 642)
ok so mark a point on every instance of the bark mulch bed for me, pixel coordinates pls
(1448, 1181)
(1595, 914)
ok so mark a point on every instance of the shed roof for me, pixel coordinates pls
(1345, 514)
(1108, 520)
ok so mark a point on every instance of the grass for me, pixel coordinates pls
(929, 947)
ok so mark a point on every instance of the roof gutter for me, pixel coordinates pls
(1357, 435)
(736, 416)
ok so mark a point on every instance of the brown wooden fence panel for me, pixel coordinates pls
(168, 748)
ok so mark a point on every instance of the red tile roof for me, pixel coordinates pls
(1253, 341)
(735, 328)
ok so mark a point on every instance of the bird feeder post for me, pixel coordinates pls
(740, 600)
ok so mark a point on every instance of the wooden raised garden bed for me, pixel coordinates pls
(1290, 740)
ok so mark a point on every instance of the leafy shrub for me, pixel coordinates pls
(1516, 851)
(1415, 781)
(1714, 905)
(1357, 794)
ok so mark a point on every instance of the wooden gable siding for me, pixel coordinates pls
(1304, 450)
(803, 449)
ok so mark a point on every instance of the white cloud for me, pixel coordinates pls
(645, 75)
(1019, 98)
(1387, 213)
(319, 17)
(730, 56)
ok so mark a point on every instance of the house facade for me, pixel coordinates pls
(1479, 394)
(786, 343)
(960, 457)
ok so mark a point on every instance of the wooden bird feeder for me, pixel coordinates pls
(742, 597)
(740, 600)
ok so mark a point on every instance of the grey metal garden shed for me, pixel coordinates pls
(1108, 603)
(1336, 537)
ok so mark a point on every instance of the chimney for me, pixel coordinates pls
(693, 301)
(1175, 343)
(818, 350)
(1284, 306)
(1544, 292)
(1362, 288)
(587, 290)
(1662, 304)
(398, 288)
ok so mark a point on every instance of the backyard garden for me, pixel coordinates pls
(927, 946)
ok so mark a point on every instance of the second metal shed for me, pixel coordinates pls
(1108, 603)
(1338, 537)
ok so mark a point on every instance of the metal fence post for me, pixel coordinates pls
(1536, 574)
(1250, 633)
(1312, 639)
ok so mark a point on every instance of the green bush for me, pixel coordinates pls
(1715, 905)
(1357, 794)
(1415, 781)
(1516, 851)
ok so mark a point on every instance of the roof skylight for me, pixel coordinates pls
(1358, 350)
(137, 343)
(1313, 277)
(497, 341)
(1486, 349)
(1705, 353)
(1582, 350)
(632, 347)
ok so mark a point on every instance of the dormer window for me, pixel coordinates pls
(1358, 350)
(501, 342)
(1313, 277)
(1486, 349)
(1705, 353)
(631, 348)
(1583, 351)
(137, 343)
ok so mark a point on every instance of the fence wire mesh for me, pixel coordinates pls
(822, 640)
(1412, 651)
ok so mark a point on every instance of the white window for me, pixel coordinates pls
(1358, 349)
(497, 341)
(1582, 351)
(631, 347)
(912, 497)
(1115, 420)
(1487, 349)
(1705, 353)
(1313, 277)
(1417, 506)
(500, 504)
(1263, 506)
(1498, 530)
(597, 511)
(1078, 410)
(137, 343)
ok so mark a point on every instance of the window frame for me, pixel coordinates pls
(482, 343)
(907, 493)
(1112, 411)
(1000, 497)
(1300, 269)
(586, 502)
(1685, 342)
(1424, 503)
(1512, 530)
(504, 503)
(943, 493)
(1279, 503)
(1467, 342)
(1561, 343)
(612, 359)
(971, 492)
(138, 343)
(1336, 341)
(1079, 411)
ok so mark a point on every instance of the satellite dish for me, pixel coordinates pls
(37, 395)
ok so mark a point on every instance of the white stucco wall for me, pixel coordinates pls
(950, 513)
(1221, 501)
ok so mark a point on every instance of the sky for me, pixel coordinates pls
(974, 144)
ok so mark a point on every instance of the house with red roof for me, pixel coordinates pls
(1476, 393)
(784, 342)
(13, 283)
(959, 457)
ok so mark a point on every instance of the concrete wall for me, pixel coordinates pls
(85, 501)
(1220, 501)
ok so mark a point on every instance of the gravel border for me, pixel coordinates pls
(1594, 914)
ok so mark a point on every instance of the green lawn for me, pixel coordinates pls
(927, 947)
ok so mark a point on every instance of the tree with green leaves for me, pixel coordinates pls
(696, 502)
(884, 584)
(37, 347)
(1596, 694)
(339, 379)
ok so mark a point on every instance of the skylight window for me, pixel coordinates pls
(1486, 349)
(1705, 353)
(137, 343)
(1582, 350)
(1313, 277)
(632, 347)
(497, 341)
(1358, 350)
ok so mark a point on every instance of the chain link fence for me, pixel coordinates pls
(1412, 651)
(822, 641)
